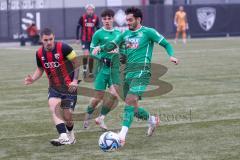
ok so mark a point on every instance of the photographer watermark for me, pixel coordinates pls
(176, 117)
(165, 117)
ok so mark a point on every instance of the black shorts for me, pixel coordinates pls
(86, 45)
(68, 100)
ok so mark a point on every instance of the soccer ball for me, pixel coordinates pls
(109, 141)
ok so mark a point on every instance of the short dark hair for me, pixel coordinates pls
(137, 13)
(46, 31)
(108, 12)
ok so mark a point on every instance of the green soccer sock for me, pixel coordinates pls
(90, 109)
(128, 116)
(105, 110)
(142, 113)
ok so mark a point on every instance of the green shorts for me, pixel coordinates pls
(104, 80)
(136, 85)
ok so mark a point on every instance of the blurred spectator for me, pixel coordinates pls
(87, 25)
(180, 21)
(33, 34)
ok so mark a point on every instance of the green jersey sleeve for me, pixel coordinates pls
(158, 38)
(112, 44)
(94, 43)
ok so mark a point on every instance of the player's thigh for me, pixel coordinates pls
(182, 28)
(54, 103)
(54, 99)
(178, 28)
(114, 90)
(138, 86)
(86, 48)
(69, 101)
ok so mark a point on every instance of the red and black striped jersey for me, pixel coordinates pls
(88, 24)
(59, 69)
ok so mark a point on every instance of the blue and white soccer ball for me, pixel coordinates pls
(109, 141)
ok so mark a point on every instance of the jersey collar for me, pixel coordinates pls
(108, 30)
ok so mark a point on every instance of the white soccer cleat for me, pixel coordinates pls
(71, 137)
(122, 140)
(153, 123)
(100, 122)
(61, 140)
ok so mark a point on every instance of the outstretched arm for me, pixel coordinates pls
(158, 38)
(29, 79)
(168, 47)
(109, 46)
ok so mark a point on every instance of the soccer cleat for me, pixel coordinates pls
(71, 137)
(100, 122)
(61, 140)
(153, 123)
(122, 142)
(86, 121)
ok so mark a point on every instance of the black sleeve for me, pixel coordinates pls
(78, 27)
(66, 50)
(97, 24)
(39, 63)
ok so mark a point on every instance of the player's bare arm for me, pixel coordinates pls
(74, 84)
(29, 79)
(168, 47)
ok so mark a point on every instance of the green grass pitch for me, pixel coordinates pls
(200, 116)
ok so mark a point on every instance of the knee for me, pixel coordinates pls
(130, 101)
(53, 109)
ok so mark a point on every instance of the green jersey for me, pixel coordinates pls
(139, 47)
(101, 37)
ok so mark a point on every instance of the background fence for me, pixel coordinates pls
(204, 20)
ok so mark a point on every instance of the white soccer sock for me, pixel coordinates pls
(123, 132)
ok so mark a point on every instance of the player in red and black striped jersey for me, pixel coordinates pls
(60, 63)
(87, 24)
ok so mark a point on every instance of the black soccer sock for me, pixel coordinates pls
(90, 65)
(69, 128)
(85, 61)
(61, 128)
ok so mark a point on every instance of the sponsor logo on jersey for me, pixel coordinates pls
(89, 24)
(57, 55)
(132, 43)
(206, 17)
(51, 65)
